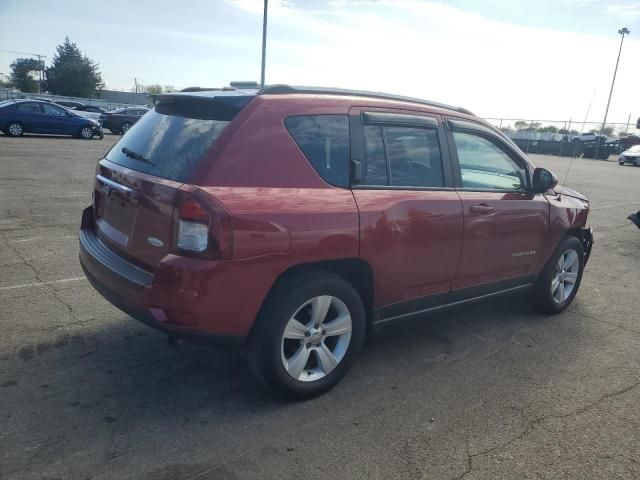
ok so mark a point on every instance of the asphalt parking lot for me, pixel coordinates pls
(490, 391)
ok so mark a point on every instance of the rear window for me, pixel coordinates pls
(324, 139)
(29, 108)
(171, 140)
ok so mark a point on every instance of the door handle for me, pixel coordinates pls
(483, 208)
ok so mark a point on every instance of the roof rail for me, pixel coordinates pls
(205, 89)
(287, 89)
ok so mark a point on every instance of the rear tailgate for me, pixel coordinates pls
(133, 212)
(137, 183)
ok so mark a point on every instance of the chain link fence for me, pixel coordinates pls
(10, 94)
(568, 137)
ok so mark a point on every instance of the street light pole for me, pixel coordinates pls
(624, 31)
(264, 41)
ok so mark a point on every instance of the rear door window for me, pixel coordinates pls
(29, 108)
(402, 156)
(171, 140)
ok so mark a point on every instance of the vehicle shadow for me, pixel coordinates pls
(133, 366)
(125, 380)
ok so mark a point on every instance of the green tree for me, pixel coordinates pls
(23, 71)
(155, 89)
(549, 128)
(521, 125)
(73, 73)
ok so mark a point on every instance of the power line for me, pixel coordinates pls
(24, 53)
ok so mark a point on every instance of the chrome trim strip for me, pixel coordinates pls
(115, 185)
(447, 306)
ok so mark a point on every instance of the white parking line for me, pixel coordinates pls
(29, 239)
(42, 284)
(48, 199)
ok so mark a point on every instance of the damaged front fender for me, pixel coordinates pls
(586, 237)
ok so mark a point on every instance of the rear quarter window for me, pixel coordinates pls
(324, 140)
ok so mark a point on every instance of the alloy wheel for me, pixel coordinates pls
(565, 276)
(15, 129)
(316, 338)
(125, 127)
(86, 132)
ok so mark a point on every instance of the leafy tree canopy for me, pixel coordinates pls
(72, 73)
(22, 74)
(155, 89)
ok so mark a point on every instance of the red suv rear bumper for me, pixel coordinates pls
(177, 298)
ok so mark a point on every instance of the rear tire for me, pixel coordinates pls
(559, 281)
(14, 129)
(307, 335)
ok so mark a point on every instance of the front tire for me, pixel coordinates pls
(86, 132)
(125, 127)
(15, 129)
(558, 283)
(308, 335)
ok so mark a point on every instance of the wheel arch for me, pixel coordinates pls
(9, 122)
(585, 235)
(354, 270)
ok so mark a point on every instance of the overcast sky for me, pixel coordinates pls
(499, 58)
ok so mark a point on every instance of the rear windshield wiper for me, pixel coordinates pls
(136, 156)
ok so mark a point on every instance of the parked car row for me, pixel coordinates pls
(20, 116)
(632, 156)
(121, 119)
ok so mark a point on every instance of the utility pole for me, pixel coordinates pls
(623, 31)
(135, 80)
(41, 72)
(264, 41)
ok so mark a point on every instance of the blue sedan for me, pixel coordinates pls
(33, 116)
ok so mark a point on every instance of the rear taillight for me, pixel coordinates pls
(202, 226)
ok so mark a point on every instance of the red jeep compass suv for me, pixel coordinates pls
(292, 220)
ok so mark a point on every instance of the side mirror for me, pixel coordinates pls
(543, 180)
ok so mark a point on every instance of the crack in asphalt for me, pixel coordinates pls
(530, 425)
(599, 320)
(38, 277)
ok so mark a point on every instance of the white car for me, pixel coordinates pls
(89, 111)
(632, 155)
(587, 137)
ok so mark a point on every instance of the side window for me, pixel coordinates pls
(324, 140)
(484, 165)
(51, 110)
(414, 157)
(375, 158)
(402, 156)
(29, 108)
